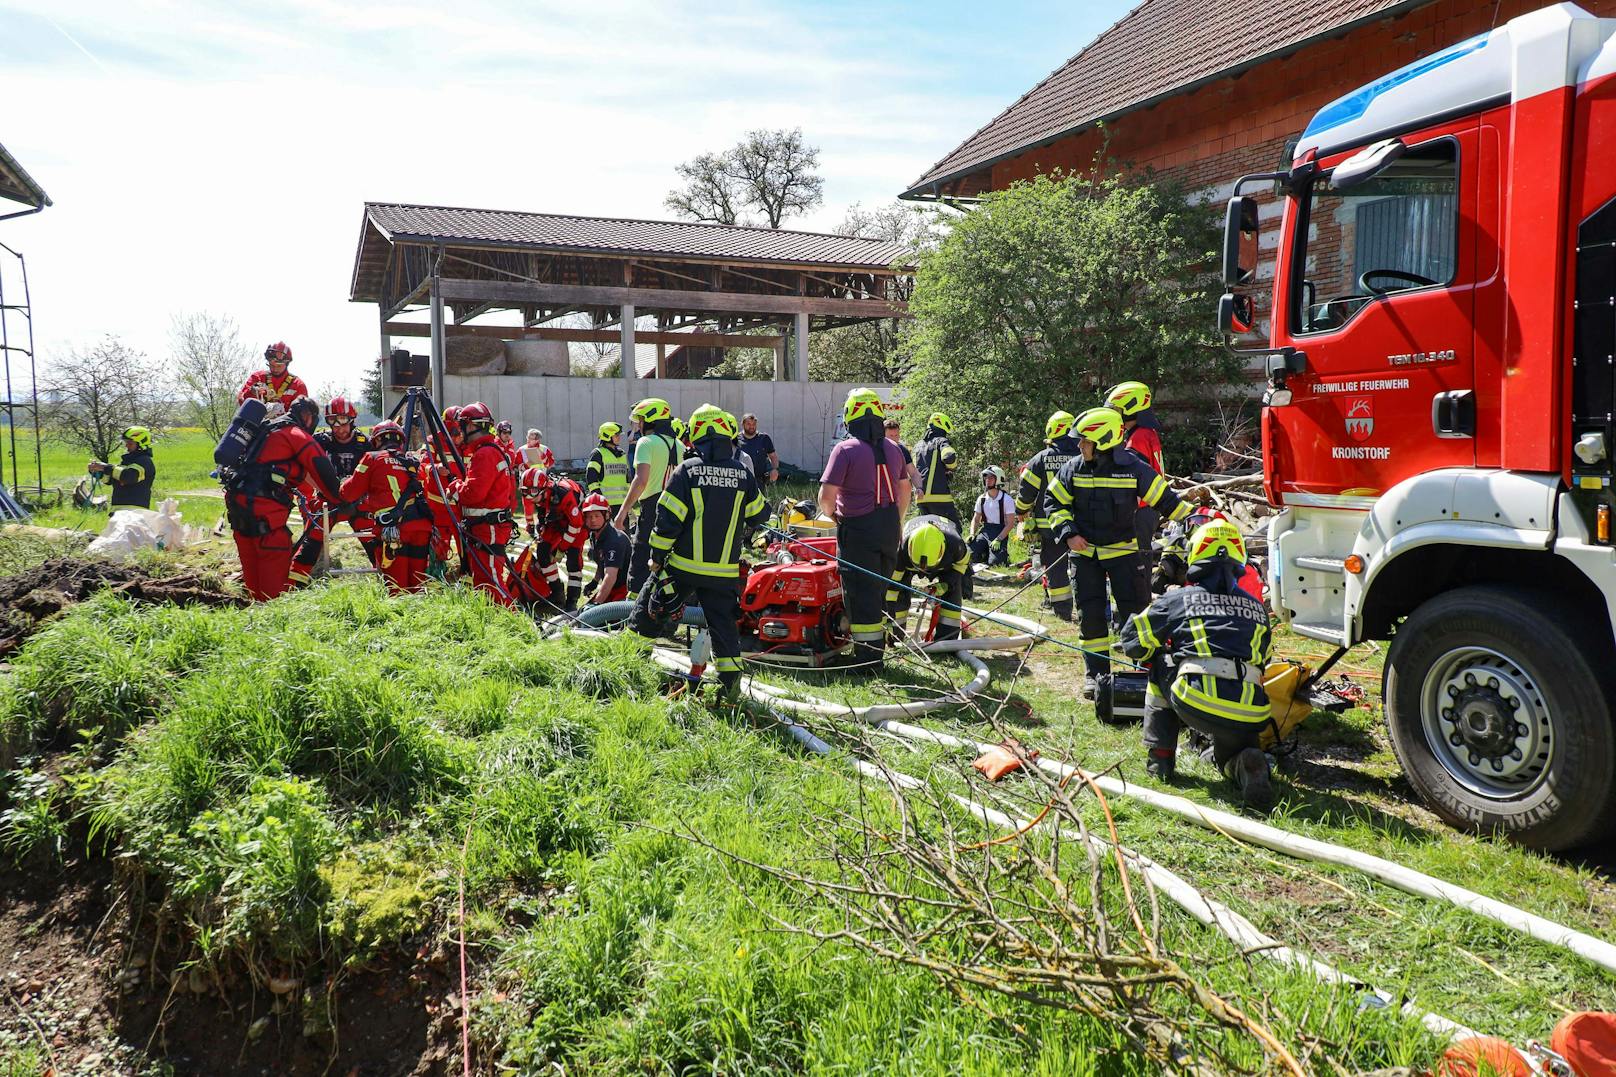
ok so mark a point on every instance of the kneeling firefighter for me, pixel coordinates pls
(702, 518)
(1095, 497)
(932, 547)
(259, 490)
(386, 485)
(1207, 645)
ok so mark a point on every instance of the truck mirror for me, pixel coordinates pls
(1240, 241)
(1367, 163)
(1237, 314)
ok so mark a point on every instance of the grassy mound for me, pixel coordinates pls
(300, 786)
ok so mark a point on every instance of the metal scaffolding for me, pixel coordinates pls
(11, 313)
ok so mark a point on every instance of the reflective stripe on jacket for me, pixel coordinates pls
(703, 512)
(1097, 499)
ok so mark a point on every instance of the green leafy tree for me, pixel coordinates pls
(1055, 289)
(370, 388)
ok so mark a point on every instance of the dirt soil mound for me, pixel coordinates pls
(30, 598)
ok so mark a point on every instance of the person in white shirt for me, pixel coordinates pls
(994, 516)
(536, 453)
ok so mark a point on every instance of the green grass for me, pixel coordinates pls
(184, 457)
(299, 779)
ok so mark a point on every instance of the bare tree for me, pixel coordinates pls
(710, 195)
(210, 363)
(331, 388)
(772, 174)
(878, 350)
(89, 396)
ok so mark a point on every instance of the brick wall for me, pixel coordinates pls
(1206, 138)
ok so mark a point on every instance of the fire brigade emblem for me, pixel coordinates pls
(1361, 418)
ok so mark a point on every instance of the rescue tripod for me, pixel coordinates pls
(422, 415)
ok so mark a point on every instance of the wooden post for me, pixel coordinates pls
(661, 360)
(780, 357)
(800, 338)
(386, 366)
(438, 348)
(627, 346)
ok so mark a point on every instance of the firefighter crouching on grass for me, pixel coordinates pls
(131, 477)
(345, 444)
(932, 547)
(484, 498)
(386, 488)
(609, 549)
(259, 497)
(701, 520)
(1033, 504)
(558, 536)
(864, 489)
(1207, 644)
(1094, 498)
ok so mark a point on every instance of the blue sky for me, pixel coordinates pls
(211, 156)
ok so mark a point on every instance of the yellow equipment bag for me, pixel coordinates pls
(1280, 681)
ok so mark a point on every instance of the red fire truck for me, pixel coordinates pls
(1438, 423)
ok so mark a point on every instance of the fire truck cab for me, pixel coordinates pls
(1438, 424)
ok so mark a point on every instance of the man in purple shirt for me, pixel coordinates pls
(865, 490)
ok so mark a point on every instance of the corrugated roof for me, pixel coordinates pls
(1159, 48)
(17, 185)
(614, 235)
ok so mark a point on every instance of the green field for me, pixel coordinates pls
(299, 789)
(184, 458)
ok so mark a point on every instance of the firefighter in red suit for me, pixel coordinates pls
(278, 386)
(484, 498)
(438, 470)
(346, 445)
(386, 487)
(536, 574)
(1141, 433)
(558, 503)
(259, 497)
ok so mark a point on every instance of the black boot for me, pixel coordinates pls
(1249, 770)
(1161, 764)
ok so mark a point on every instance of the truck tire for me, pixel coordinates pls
(1500, 715)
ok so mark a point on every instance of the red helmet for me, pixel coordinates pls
(451, 415)
(477, 414)
(387, 430)
(339, 408)
(278, 350)
(535, 479)
(504, 426)
(596, 502)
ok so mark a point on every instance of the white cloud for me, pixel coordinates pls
(216, 157)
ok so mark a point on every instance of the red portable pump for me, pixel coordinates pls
(793, 612)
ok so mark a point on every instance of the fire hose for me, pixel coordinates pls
(888, 718)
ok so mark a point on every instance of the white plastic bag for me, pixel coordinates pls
(132, 529)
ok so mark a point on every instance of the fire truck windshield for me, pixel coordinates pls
(1393, 233)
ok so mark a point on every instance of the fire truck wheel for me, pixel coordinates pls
(1501, 717)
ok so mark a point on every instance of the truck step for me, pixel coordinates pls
(1321, 564)
(1326, 633)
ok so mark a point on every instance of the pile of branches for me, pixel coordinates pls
(1052, 917)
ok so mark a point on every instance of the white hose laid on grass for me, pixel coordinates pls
(1233, 926)
(887, 717)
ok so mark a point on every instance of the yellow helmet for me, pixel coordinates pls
(862, 402)
(710, 420)
(1057, 425)
(609, 430)
(941, 422)
(1103, 426)
(734, 424)
(925, 546)
(1220, 538)
(679, 427)
(651, 409)
(1129, 398)
(139, 435)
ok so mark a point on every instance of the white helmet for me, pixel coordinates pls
(996, 471)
